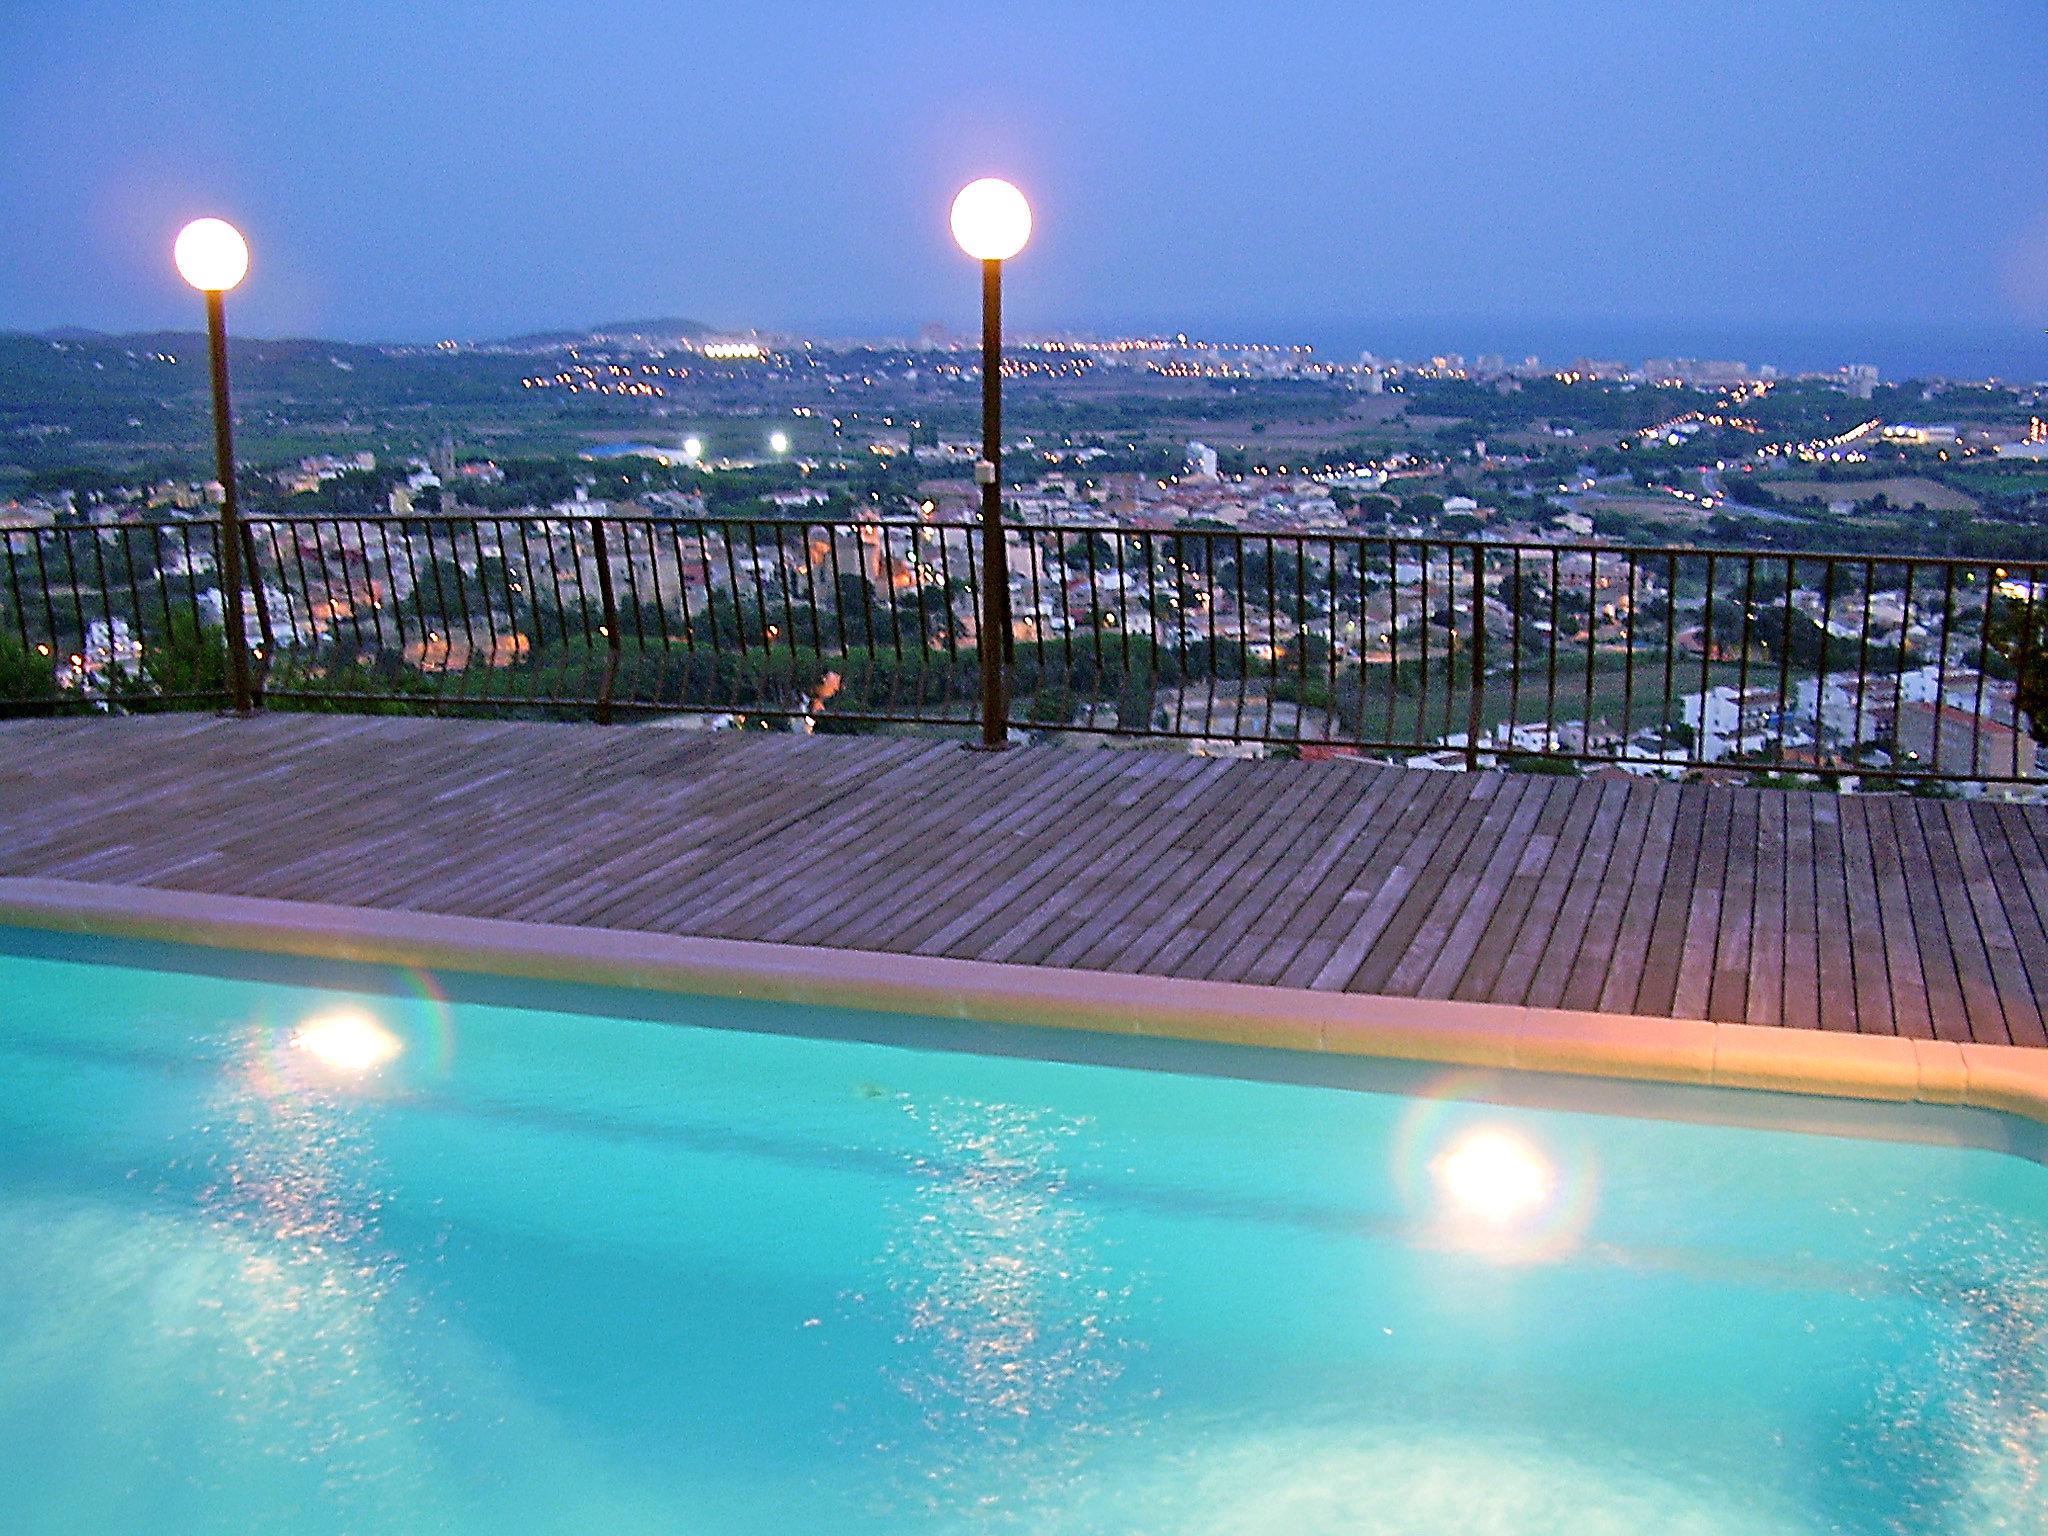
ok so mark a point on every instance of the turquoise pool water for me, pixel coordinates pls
(278, 1257)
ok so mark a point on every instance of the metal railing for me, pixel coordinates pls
(1457, 652)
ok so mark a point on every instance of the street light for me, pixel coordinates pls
(212, 256)
(991, 221)
(778, 443)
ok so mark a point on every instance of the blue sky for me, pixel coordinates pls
(429, 169)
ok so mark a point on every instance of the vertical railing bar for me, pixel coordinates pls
(785, 579)
(483, 584)
(1332, 602)
(1707, 656)
(1515, 642)
(462, 604)
(1393, 731)
(49, 603)
(1550, 730)
(1863, 645)
(163, 585)
(21, 612)
(1592, 648)
(390, 592)
(1827, 611)
(1984, 624)
(1628, 667)
(266, 634)
(1670, 696)
(1785, 670)
(1742, 652)
(607, 596)
(1476, 660)
(534, 669)
(1422, 670)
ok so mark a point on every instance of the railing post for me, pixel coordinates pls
(610, 608)
(995, 639)
(239, 694)
(260, 673)
(1475, 711)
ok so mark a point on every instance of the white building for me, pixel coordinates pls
(1727, 722)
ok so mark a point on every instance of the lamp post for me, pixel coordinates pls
(991, 221)
(212, 256)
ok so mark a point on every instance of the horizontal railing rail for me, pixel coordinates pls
(1460, 653)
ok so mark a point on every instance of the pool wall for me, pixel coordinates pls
(2005, 1079)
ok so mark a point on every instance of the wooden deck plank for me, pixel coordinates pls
(1473, 886)
(1915, 995)
(1204, 892)
(1333, 950)
(1857, 990)
(1729, 978)
(1387, 941)
(1298, 950)
(1621, 978)
(1763, 999)
(821, 873)
(1800, 963)
(1876, 913)
(1499, 895)
(1663, 951)
(1567, 934)
(1266, 941)
(1090, 893)
(2001, 930)
(1700, 938)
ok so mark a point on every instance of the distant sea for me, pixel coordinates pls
(2015, 352)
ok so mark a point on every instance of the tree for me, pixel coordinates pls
(2018, 632)
(1423, 507)
(25, 676)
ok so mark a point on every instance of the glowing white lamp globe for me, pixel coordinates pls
(991, 220)
(778, 442)
(211, 254)
(693, 448)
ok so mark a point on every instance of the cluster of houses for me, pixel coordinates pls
(452, 594)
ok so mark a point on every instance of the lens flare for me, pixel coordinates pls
(347, 1041)
(1483, 1180)
(1496, 1176)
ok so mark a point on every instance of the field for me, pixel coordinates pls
(1901, 491)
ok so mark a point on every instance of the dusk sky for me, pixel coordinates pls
(427, 169)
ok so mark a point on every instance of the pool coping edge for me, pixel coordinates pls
(1646, 1048)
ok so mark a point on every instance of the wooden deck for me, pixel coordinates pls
(1880, 914)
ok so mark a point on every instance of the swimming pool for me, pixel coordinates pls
(318, 1248)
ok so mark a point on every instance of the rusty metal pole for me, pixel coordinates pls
(995, 563)
(240, 693)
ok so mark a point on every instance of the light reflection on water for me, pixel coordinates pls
(1043, 1305)
(1011, 1320)
(1955, 1431)
(314, 1303)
